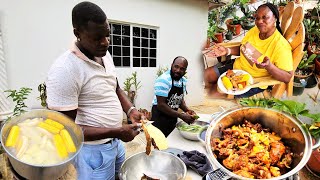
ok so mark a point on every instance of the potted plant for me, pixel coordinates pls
(215, 33)
(303, 73)
(234, 24)
(312, 27)
(247, 21)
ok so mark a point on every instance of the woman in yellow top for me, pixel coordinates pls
(263, 51)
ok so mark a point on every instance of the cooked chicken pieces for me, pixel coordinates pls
(252, 151)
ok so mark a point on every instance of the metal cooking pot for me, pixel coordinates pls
(290, 129)
(55, 171)
(158, 164)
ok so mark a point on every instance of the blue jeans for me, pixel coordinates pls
(101, 161)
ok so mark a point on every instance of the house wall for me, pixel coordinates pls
(36, 32)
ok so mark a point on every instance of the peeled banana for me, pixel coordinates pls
(13, 136)
(22, 147)
(159, 138)
(68, 141)
(58, 142)
(49, 128)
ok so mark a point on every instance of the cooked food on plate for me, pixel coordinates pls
(251, 151)
(235, 81)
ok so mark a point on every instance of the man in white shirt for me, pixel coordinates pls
(82, 84)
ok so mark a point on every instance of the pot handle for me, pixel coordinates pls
(316, 144)
(217, 174)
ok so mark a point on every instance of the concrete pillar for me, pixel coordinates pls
(5, 104)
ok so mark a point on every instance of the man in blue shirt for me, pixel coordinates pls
(169, 97)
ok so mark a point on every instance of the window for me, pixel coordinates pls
(133, 46)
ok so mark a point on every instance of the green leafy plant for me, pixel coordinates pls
(291, 107)
(235, 20)
(161, 70)
(312, 31)
(132, 81)
(19, 97)
(306, 61)
(214, 23)
(135, 82)
(214, 30)
(127, 84)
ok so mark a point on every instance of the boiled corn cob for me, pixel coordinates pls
(49, 128)
(60, 146)
(68, 140)
(54, 124)
(13, 136)
(227, 83)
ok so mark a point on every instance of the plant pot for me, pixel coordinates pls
(299, 83)
(317, 67)
(312, 50)
(311, 82)
(234, 28)
(229, 36)
(313, 163)
(247, 25)
(219, 38)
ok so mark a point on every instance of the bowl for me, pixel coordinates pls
(158, 164)
(202, 135)
(31, 171)
(191, 135)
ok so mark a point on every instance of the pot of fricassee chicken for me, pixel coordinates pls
(41, 144)
(257, 143)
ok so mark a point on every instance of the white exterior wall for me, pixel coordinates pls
(36, 32)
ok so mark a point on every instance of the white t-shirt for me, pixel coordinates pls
(85, 85)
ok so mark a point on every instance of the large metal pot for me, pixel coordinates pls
(55, 171)
(287, 127)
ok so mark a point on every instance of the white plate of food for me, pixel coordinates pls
(240, 82)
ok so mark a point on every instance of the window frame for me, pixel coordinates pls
(131, 46)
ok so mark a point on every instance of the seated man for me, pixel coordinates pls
(265, 41)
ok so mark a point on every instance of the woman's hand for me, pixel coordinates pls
(264, 64)
(216, 51)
